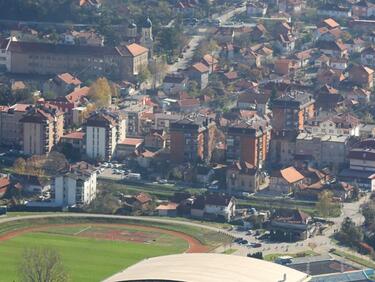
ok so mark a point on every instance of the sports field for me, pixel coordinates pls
(92, 252)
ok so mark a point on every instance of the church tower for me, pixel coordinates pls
(146, 39)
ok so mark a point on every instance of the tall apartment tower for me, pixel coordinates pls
(104, 129)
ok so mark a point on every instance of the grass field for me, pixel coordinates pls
(85, 257)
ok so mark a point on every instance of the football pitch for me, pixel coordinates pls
(90, 252)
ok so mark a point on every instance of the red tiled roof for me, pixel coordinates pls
(131, 141)
(69, 79)
(136, 49)
(209, 59)
(143, 198)
(200, 67)
(291, 175)
(77, 95)
(75, 135)
(167, 206)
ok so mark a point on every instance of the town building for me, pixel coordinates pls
(191, 139)
(242, 176)
(291, 110)
(122, 62)
(76, 187)
(11, 130)
(104, 130)
(248, 141)
(42, 128)
(361, 76)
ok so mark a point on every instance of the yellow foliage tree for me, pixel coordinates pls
(101, 92)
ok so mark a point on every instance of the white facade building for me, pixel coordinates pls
(77, 187)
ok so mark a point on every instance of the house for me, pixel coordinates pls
(284, 181)
(339, 64)
(359, 94)
(224, 35)
(242, 176)
(363, 9)
(211, 62)
(127, 147)
(199, 72)
(214, 206)
(62, 84)
(302, 58)
(355, 45)
(285, 66)
(368, 57)
(332, 48)
(344, 124)
(258, 32)
(329, 23)
(174, 84)
(253, 101)
(256, 9)
(361, 76)
(322, 61)
(290, 6)
(334, 11)
(33, 184)
(76, 139)
(323, 150)
(167, 209)
(329, 76)
(139, 202)
(290, 226)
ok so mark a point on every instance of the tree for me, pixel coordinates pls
(368, 211)
(324, 205)
(42, 265)
(100, 92)
(144, 74)
(192, 88)
(19, 165)
(157, 69)
(349, 234)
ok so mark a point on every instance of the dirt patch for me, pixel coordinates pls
(194, 245)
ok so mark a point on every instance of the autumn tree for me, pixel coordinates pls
(19, 166)
(144, 74)
(157, 70)
(42, 265)
(101, 93)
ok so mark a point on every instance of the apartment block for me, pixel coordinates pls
(42, 128)
(104, 130)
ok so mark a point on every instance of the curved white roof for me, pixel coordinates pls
(208, 267)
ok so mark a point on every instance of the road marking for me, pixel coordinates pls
(83, 230)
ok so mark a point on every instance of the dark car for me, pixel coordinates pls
(238, 240)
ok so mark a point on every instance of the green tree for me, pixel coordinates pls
(349, 234)
(324, 205)
(144, 74)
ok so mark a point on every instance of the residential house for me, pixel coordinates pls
(332, 48)
(167, 209)
(253, 101)
(242, 176)
(290, 6)
(76, 140)
(284, 181)
(361, 76)
(224, 35)
(368, 57)
(199, 72)
(174, 84)
(359, 94)
(334, 11)
(214, 206)
(139, 202)
(344, 124)
(363, 9)
(62, 84)
(211, 62)
(128, 147)
(323, 150)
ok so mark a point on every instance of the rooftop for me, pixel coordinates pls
(208, 268)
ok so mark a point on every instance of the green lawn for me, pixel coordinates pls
(356, 259)
(273, 257)
(86, 259)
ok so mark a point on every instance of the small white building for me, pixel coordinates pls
(76, 187)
